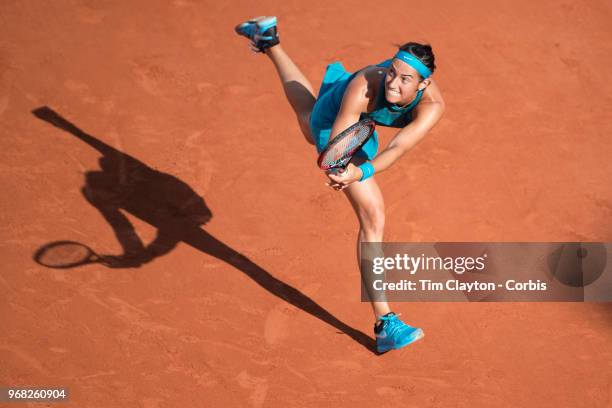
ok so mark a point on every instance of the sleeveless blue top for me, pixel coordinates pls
(328, 103)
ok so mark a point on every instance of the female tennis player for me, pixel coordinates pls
(397, 93)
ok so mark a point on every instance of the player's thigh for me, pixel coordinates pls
(367, 201)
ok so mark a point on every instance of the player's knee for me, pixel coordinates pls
(372, 219)
(304, 120)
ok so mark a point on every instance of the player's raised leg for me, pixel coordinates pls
(262, 32)
(297, 88)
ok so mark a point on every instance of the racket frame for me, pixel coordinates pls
(334, 168)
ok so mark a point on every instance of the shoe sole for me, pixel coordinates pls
(266, 24)
(247, 23)
(416, 335)
(263, 23)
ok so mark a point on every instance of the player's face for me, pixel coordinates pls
(402, 83)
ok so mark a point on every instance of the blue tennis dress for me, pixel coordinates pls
(328, 103)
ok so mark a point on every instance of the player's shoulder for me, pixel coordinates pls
(371, 74)
(366, 83)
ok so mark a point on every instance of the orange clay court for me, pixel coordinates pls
(251, 295)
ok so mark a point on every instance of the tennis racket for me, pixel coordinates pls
(341, 149)
(68, 254)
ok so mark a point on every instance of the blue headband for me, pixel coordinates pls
(414, 62)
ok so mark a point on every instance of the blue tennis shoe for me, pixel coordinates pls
(261, 31)
(392, 333)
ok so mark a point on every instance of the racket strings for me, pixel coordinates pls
(342, 148)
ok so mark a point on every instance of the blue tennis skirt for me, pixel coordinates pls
(327, 106)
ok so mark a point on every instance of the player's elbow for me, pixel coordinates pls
(440, 107)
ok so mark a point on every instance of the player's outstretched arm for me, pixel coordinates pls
(426, 117)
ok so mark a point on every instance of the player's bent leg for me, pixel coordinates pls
(367, 201)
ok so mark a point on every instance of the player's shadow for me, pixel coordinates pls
(177, 212)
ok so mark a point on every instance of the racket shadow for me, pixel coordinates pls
(177, 212)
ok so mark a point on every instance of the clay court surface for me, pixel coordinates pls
(157, 128)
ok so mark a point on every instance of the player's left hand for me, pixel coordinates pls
(341, 180)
